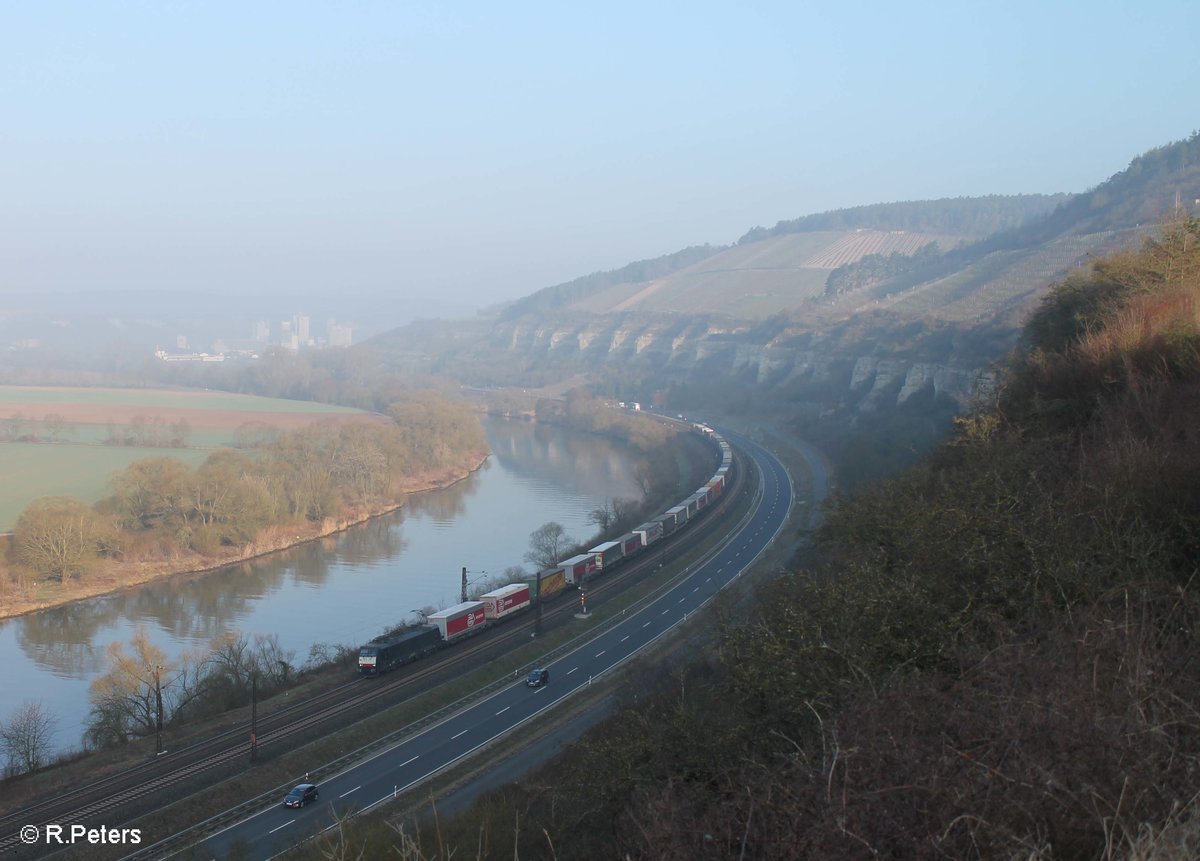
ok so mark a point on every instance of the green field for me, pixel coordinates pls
(32, 470)
(79, 465)
(162, 398)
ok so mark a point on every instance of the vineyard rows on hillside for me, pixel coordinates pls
(853, 247)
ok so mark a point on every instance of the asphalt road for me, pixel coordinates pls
(379, 779)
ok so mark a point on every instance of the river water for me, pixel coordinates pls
(345, 589)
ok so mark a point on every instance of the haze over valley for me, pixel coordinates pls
(822, 380)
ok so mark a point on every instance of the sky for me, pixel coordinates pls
(477, 152)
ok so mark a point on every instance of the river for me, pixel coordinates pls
(344, 589)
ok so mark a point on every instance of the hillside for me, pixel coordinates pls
(755, 280)
(989, 656)
(851, 311)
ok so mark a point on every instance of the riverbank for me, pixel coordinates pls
(18, 599)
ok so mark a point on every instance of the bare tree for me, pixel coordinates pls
(614, 516)
(55, 426)
(59, 536)
(273, 662)
(546, 544)
(602, 516)
(25, 737)
(16, 426)
(125, 700)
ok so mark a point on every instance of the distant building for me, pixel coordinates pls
(339, 335)
(302, 322)
(181, 342)
(164, 356)
(262, 332)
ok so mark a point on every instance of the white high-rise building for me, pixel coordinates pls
(339, 335)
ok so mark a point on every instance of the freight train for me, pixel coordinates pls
(456, 623)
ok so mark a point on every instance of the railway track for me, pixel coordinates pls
(139, 789)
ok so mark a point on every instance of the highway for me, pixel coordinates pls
(378, 779)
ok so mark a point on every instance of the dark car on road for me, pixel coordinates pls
(301, 795)
(537, 678)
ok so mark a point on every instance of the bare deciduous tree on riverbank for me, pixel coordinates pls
(25, 737)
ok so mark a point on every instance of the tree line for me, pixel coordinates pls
(142, 431)
(159, 507)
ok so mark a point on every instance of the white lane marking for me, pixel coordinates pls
(503, 710)
(695, 588)
(681, 600)
(626, 637)
(355, 789)
(646, 625)
(407, 761)
(573, 669)
(284, 825)
(453, 737)
(601, 653)
(665, 612)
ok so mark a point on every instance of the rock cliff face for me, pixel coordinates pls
(847, 369)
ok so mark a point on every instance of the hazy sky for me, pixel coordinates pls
(478, 152)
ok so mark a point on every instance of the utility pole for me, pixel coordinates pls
(158, 702)
(253, 717)
(463, 596)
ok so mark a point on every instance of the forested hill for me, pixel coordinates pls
(1153, 185)
(964, 216)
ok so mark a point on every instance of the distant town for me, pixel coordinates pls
(296, 334)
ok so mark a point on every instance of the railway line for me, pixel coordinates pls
(139, 789)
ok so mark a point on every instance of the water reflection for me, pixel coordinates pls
(342, 589)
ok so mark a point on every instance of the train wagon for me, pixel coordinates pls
(631, 543)
(678, 514)
(506, 600)
(459, 620)
(666, 523)
(578, 567)
(650, 532)
(547, 582)
(387, 653)
(607, 554)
